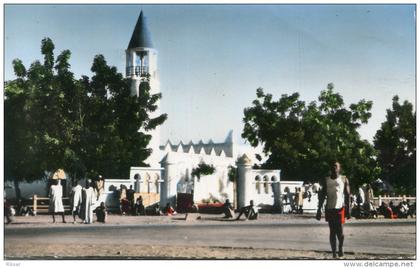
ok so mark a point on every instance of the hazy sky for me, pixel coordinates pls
(212, 58)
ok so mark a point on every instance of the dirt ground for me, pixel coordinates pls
(118, 251)
(20, 249)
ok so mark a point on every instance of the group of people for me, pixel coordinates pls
(363, 206)
(293, 202)
(403, 210)
(83, 201)
(250, 212)
(130, 204)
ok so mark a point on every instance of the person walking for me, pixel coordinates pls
(336, 189)
(56, 201)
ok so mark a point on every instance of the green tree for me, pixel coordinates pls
(21, 153)
(396, 144)
(86, 126)
(302, 139)
(112, 139)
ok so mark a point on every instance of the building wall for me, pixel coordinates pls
(177, 177)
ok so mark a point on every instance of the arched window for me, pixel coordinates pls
(147, 180)
(157, 183)
(258, 184)
(266, 186)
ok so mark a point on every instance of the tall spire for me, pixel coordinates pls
(141, 34)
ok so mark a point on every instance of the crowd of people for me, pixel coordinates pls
(363, 206)
(84, 204)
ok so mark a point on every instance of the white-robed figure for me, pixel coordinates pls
(56, 200)
(76, 200)
(89, 200)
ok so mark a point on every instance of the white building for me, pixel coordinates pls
(171, 164)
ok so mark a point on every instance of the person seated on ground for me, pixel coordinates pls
(402, 210)
(156, 210)
(139, 207)
(382, 209)
(228, 209)
(411, 209)
(249, 212)
(24, 210)
(372, 210)
(393, 207)
(386, 211)
(101, 213)
(168, 210)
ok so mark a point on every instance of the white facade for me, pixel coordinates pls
(177, 176)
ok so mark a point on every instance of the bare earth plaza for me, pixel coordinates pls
(228, 132)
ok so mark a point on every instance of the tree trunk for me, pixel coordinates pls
(17, 189)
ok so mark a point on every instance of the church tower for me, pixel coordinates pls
(141, 66)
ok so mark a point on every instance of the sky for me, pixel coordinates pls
(212, 58)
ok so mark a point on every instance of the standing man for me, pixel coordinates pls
(76, 200)
(89, 201)
(336, 189)
(56, 201)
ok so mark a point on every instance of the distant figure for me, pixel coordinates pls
(99, 185)
(394, 209)
(411, 209)
(23, 209)
(89, 202)
(130, 198)
(76, 200)
(336, 189)
(249, 211)
(101, 213)
(403, 210)
(289, 199)
(360, 197)
(385, 210)
(56, 201)
(156, 210)
(228, 209)
(139, 207)
(169, 211)
(369, 194)
(299, 200)
(7, 210)
(124, 202)
(130, 194)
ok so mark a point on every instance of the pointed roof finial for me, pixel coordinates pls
(229, 138)
(141, 34)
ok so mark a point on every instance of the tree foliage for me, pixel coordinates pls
(86, 126)
(302, 139)
(203, 169)
(396, 144)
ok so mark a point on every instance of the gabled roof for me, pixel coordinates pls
(141, 34)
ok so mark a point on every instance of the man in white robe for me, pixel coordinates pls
(76, 200)
(56, 200)
(89, 206)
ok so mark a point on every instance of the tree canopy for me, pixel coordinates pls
(396, 145)
(302, 139)
(87, 126)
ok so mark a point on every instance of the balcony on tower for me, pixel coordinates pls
(138, 71)
(137, 64)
